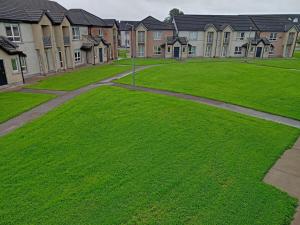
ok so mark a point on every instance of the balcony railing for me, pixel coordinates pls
(67, 40)
(141, 40)
(47, 42)
(209, 41)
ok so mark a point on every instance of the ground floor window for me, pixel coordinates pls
(208, 50)
(157, 50)
(15, 65)
(77, 55)
(192, 50)
(141, 50)
(271, 50)
(238, 50)
(224, 51)
(169, 49)
(23, 63)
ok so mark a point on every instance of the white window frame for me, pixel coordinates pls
(13, 37)
(101, 33)
(77, 55)
(141, 53)
(192, 50)
(16, 64)
(141, 36)
(157, 35)
(169, 49)
(210, 37)
(227, 37)
(238, 50)
(157, 50)
(273, 36)
(76, 33)
(208, 51)
(23, 64)
(241, 36)
(193, 36)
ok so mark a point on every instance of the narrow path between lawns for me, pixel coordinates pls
(218, 104)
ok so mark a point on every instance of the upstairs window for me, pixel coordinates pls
(193, 36)
(101, 34)
(273, 37)
(141, 37)
(241, 36)
(210, 37)
(13, 32)
(157, 35)
(76, 33)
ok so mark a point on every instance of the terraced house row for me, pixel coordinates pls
(255, 36)
(40, 37)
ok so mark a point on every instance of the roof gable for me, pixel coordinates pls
(81, 17)
(154, 24)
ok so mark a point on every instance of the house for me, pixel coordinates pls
(150, 37)
(88, 49)
(215, 35)
(37, 29)
(125, 28)
(280, 30)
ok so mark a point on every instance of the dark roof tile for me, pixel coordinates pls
(154, 24)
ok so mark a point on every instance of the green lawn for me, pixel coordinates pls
(297, 54)
(145, 61)
(293, 63)
(267, 89)
(79, 78)
(113, 156)
(15, 103)
(123, 53)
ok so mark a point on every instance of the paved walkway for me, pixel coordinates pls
(63, 97)
(285, 175)
(219, 104)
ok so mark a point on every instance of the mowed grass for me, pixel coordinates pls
(123, 53)
(293, 63)
(113, 156)
(297, 54)
(79, 78)
(15, 103)
(145, 61)
(269, 89)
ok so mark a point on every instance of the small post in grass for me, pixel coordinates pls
(132, 55)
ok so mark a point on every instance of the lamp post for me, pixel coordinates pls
(132, 55)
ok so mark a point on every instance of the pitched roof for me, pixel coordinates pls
(9, 47)
(123, 25)
(172, 40)
(110, 22)
(275, 23)
(31, 10)
(200, 22)
(154, 24)
(83, 18)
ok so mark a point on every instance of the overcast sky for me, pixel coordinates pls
(139, 9)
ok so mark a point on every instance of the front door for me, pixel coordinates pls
(258, 52)
(176, 52)
(101, 55)
(3, 79)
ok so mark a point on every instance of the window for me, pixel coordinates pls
(238, 50)
(169, 49)
(271, 50)
(210, 37)
(252, 49)
(291, 38)
(183, 49)
(23, 63)
(76, 33)
(208, 50)
(157, 35)
(192, 50)
(224, 51)
(157, 50)
(141, 37)
(193, 36)
(241, 36)
(77, 55)
(273, 37)
(226, 37)
(13, 32)
(15, 65)
(101, 33)
(141, 50)
(266, 49)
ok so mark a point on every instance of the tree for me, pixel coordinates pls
(172, 13)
